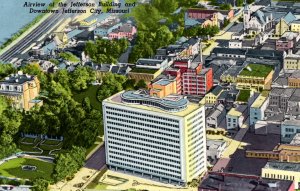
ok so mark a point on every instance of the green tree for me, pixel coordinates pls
(141, 85)
(40, 184)
(67, 164)
(69, 57)
(129, 84)
(165, 6)
(6, 69)
(225, 6)
(81, 77)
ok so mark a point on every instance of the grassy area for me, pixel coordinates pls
(91, 93)
(243, 95)
(13, 168)
(51, 142)
(143, 70)
(28, 140)
(257, 70)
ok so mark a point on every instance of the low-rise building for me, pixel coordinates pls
(215, 149)
(22, 90)
(125, 31)
(235, 44)
(294, 79)
(236, 117)
(163, 87)
(258, 107)
(233, 181)
(217, 115)
(295, 26)
(211, 97)
(291, 62)
(255, 77)
(289, 128)
(282, 171)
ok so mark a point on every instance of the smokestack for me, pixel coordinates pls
(200, 52)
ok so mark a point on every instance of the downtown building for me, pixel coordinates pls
(158, 138)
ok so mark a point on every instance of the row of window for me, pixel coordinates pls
(141, 134)
(142, 119)
(143, 149)
(279, 176)
(145, 154)
(144, 169)
(143, 114)
(123, 155)
(144, 144)
(144, 127)
(145, 164)
(142, 139)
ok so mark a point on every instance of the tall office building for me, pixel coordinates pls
(159, 138)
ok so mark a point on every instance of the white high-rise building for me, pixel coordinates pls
(159, 138)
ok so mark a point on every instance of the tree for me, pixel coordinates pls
(69, 57)
(129, 84)
(81, 77)
(67, 164)
(6, 69)
(112, 83)
(225, 6)
(165, 6)
(40, 184)
(35, 69)
(141, 85)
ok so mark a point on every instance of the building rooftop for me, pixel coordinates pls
(296, 140)
(216, 90)
(176, 105)
(286, 166)
(144, 70)
(163, 82)
(257, 70)
(214, 144)
(291, 122)
(238, 111)
(259, 101)
(18, 78)
(233, 181)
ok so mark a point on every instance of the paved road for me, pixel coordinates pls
(45, 27)
(97, 160)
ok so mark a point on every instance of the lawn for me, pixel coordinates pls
(28, 140)
(91, 93)
(256, 70)
(13, 168)
(143, 70)
(51, 142)
(243, 95)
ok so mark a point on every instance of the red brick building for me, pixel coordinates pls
(192, 78)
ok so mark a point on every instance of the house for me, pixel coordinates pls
(215, 117)
(236, 117)
(295, 26)
(211, 97)
(230, 75)
(291, 62)
(258, 107)
(22, 90)
(284, 23)
(204, 17)
(215, 149)
(127, 31)
(289, 128)
(284, 44)
(103, 31)
(256, 22)
(235, 44)
(294, 79)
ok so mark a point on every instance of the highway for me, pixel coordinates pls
(45, 27)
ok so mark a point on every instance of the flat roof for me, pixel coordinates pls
(286, 166)
(189, 106)
(258, 70)
(163, 82)
(259, 101)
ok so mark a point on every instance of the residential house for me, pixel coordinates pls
(257, 109)
(215, 149)
(236, 116)
(206, 17)
(103, 31)
(289, 128)
(295, 26)
(291, 62)
(284, 44)
(215, 117)
(211, 97)
(294, 79)
(284, 23)
(127, 31)
(22, 90)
